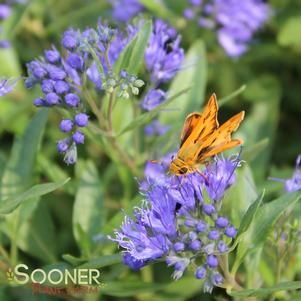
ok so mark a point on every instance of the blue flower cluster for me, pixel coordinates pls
(5, 12)
(64, 76)
(235, 21)
(181, 222)
(163, 58)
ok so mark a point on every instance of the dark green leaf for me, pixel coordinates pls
(9, 204)
(101, 262)
(128, 289)
(132, 56)
(88, 210)
(249, 216)
(285, 286)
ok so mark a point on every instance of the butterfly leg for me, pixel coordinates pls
(204, 177)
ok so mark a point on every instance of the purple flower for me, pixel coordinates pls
(163, 55)
(52, 56)
(222, 247)
(7, 85)
(81, 119)
(200, 272)
(294, 183)
(153, 98)
(220, 175)
(5, 11)
(124, 10)
(212, 261)
(75, 61)
(213, 234)
(155, 129)
(52, 99)
(66, 125)
(170, 224)
(70, 39)
(72, 99)
(189, 13)
(132, 262)
(47, 86)
(231, 231)
(222, 222)
(63, 145)
(179, 247)
(61, 87)
(78, 137)
(38, 102)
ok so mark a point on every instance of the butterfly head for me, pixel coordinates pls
(178, 167)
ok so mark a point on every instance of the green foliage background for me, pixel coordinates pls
(68, 226)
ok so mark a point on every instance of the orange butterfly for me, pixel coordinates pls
(202, 138)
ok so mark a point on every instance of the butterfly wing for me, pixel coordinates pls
(221, 140)
(197, 127)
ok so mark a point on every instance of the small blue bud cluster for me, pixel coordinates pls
(64, 78)
(60, 78)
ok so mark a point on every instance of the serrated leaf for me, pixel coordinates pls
(132, 56)
(285, 286)
(9, 204)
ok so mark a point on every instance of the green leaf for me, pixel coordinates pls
(37, 235)
(9, 204)
(249, 216)
(159, 9)
(129, 289)
(261, 225)
(88, 210)
(285, 286)
(102, 262)
(132, 56)
(296, 297)
(290, 35)
(149, 116)
(226, 99)
(19, 170)
(193, 74)
(73, 260)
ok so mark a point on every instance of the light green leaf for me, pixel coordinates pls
(129, 289)
(261, 225)
(289, 34)
(18, 173)
(226, 99)
(132, 56)
(88, 210)
(102, 262)
(285, 286)
(193, 74)
(9, 204)
(249, 216)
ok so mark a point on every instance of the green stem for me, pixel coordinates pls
(110, 111)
